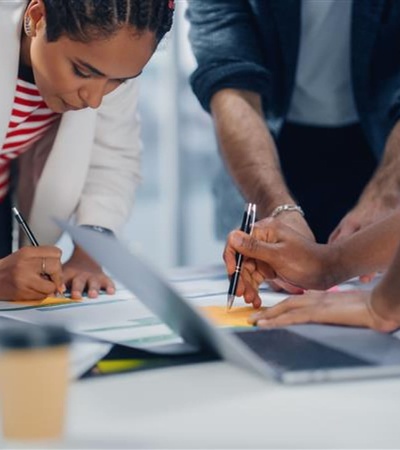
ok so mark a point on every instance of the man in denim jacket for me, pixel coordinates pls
(305, 100)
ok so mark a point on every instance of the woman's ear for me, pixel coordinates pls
(34, 17)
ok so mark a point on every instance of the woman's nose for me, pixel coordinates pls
(92, 94)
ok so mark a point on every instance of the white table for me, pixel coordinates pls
(215, 405)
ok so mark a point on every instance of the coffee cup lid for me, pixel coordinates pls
(15, 335)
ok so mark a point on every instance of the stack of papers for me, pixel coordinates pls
(121, 318)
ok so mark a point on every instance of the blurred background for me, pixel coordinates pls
(173, 221)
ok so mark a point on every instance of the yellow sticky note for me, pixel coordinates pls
(236, 317)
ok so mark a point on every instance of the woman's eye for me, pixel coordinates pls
(79, 73)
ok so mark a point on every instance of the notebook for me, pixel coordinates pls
(295, 354)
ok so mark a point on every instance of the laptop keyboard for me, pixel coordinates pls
(286, 350)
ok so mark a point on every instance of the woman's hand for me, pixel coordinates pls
(352, 308)
(276, 252)
(82, 274)
(31, 273)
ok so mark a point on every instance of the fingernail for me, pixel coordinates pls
(252, 321)
(256, 316)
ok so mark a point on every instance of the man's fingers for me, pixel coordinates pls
(334, 235)
(288, 287)
(251, 247)
(367, 278)
(229, 256)
(346, 228)
(274, 286)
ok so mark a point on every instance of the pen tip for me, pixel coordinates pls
(231, 299)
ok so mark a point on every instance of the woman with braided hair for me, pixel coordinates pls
(68, 111)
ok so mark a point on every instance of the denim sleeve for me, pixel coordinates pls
(227, 49)
(394, 111)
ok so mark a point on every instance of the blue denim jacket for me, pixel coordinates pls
(253, 45)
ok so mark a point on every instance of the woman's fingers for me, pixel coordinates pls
(92, 283)
(31, 273)
(51, 268)
(337, 308)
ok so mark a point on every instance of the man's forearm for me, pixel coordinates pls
(248, 149)
(385, 184)
(371, 249)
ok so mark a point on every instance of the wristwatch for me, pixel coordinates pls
(99, 229)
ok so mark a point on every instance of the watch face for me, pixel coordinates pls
(98, 229)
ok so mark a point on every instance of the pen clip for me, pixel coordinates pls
(253, 217)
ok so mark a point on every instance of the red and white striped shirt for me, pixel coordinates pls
(30, 119)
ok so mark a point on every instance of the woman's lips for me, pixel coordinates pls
(69, 107)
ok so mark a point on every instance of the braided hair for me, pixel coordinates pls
(87, 20)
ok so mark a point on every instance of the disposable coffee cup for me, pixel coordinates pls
(33, 381)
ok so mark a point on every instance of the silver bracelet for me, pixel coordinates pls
(286, 208)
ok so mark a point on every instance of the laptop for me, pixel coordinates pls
(295, 354)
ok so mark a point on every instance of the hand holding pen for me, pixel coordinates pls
(249, 218)
(31, 273)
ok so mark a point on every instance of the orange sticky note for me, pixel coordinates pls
(48, 301)
(55, 301)
(236, 317)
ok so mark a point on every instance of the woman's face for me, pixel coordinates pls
(72, 75)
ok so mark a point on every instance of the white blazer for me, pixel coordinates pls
(87, 165)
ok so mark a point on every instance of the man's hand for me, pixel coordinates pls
(31, 273)
(297, 222)
(380, 197)
(275, 251)
(352, 308)
(81, 274)
(382, 194)
(370, 209)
